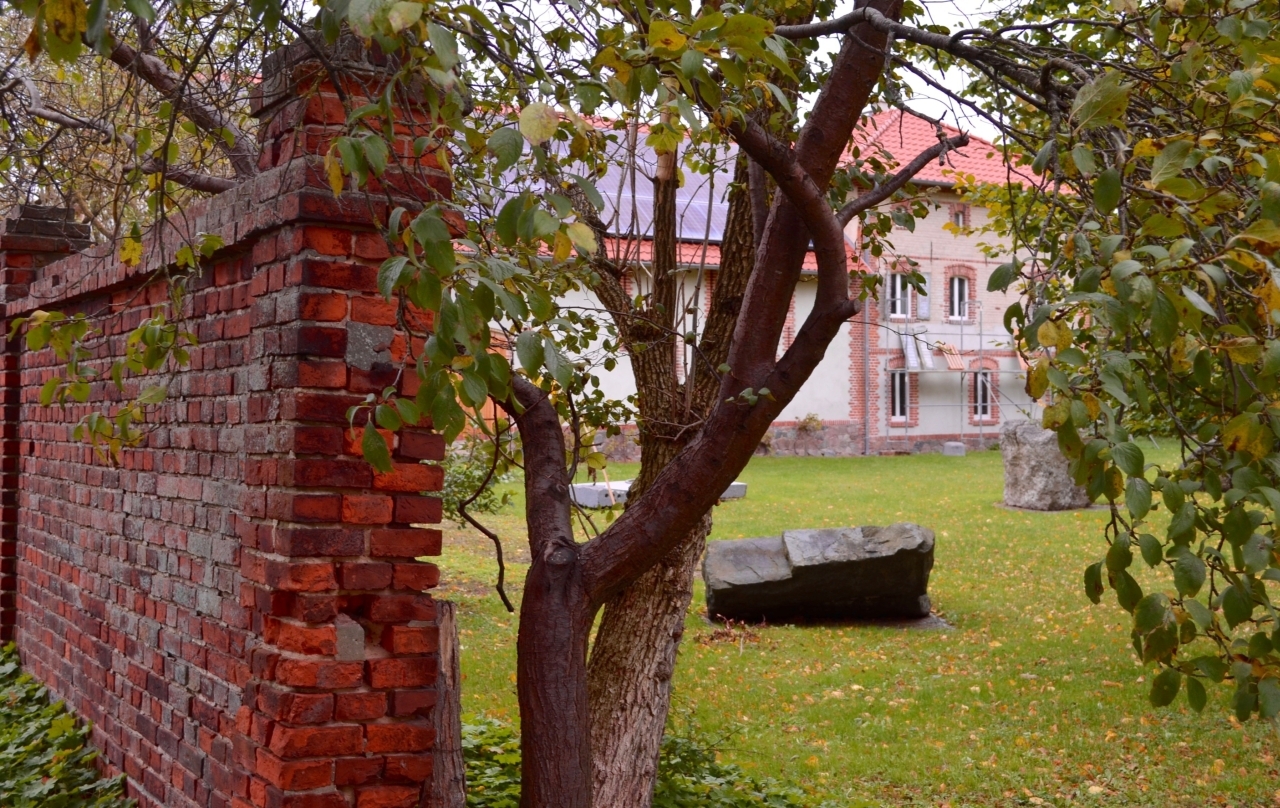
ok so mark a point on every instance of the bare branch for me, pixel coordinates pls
(241, 152)
(879, 194)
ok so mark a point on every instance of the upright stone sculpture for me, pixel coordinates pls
(831, 573)
(1035, 472)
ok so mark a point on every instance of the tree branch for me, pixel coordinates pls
(241, 153)
(879, 194)
(196, 181)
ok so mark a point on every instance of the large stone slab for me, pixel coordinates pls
(1036, 476)
(830, 573)
(597, 495)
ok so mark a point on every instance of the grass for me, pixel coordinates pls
(1035, 697)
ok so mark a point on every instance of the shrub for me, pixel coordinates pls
(466, 469)
(45, 757)
(689, 776)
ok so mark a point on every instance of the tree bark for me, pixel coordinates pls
(448, 782)
(634, 655)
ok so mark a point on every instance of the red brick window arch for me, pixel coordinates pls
(984, 391)
(961, 293)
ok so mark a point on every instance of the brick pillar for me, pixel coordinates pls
(31, 236)
(338, 709)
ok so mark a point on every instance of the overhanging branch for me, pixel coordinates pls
(879, 194)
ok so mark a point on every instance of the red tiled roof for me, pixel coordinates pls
(904, 136)
(689, 254)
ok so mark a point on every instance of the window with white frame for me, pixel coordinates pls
(960, 215)
(898, 395)
(899, 295)
(982, 394)
(958, 305)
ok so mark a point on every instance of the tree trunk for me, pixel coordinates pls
(448, 772)
(629, 677)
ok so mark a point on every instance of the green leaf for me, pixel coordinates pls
(376, 153)
(1152, 612)
(1128, 592)
(1189, 573)
(1119, 556)
(1101, 103)
(1268, 698)
(1196, 695)
(141, 9)
(507, 145)
(1128, 456)
(1199, 613)
(444, 44)
(1168, 163)
(529, 352)
(374, 449)
(1043, 157)
(1152, 549)
(1093, 582)
(1107, 189)
(1165, 686)
(1082, 156)
(1193, 297)
(1001, 278)
(1237, 605)
(1137, 498)
(403, 14)
(390, 273)
(388, 417)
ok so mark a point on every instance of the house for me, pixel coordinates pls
(916, 368)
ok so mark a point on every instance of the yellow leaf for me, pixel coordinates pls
(1056, 414)
(1047, 333)
(1038, 378)
(65, 19)
(665, 36)
(1112, 482)
(563, 246)
(333, 167)
(130, 251)
(538, 122)
(1145, 148)
(1244, 350)
(1092, 404)
(583, 237)
(1268, 296)
(1245, 434)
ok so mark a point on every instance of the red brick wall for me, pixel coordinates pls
(236, 604)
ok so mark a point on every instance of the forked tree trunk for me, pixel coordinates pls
(634, 655)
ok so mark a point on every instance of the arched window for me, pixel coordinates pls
(982, 395)
(958, 298)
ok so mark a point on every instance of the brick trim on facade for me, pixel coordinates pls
(970, 273)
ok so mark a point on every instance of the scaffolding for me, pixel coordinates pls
(918, 359)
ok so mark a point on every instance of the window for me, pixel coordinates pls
(899, 293)
(898, 394)
(960, 215)
(958, 305)
(982, 395)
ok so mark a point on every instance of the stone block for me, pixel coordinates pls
(1036, 476)
(597, 495)
(823, 574)
(953, 448)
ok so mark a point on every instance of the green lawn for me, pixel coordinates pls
(1034, 698)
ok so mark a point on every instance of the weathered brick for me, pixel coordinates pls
(368, 509)
(409, 542)
(387, 797)
(329, 741)
(418, 510)
(410, 640)
(405, 672)
(400, 737)
(360, 706)
(410, 477)
(294, 775)
(417, 575)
